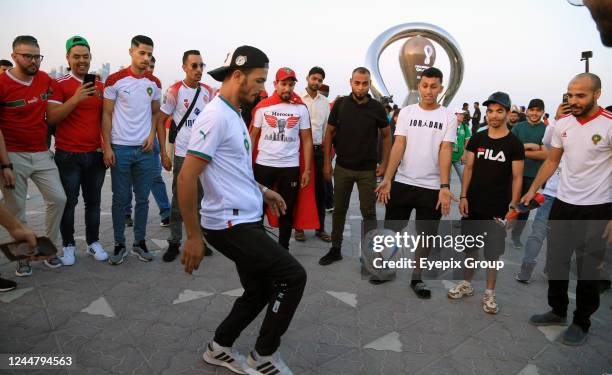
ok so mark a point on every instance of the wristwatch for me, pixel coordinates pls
(442, 186)
(5, 166)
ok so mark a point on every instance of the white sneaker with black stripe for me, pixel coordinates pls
(266, 365)
(218, 355)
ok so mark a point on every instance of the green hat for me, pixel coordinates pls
(76, 41)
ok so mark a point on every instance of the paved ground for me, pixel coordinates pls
(152, 318)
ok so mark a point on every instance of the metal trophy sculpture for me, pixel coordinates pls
(416, 55)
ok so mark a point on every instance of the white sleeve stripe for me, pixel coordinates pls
(55, 101)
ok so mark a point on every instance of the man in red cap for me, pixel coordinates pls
(281, 125)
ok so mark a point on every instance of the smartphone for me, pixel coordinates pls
(21, 250)
(565, 98)
(90, 78)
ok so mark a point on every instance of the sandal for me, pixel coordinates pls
(323, 236)
(299, 235)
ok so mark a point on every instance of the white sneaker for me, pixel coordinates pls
(462, 289)
(218, 355)
(266, 365)
(489, 304)
(68, 258)
(97, 251)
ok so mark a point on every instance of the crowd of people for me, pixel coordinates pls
(240, 154)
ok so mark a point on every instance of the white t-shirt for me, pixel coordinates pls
(176, 101)
(132, 113)
(424, 131)
(551, 185)
(231, 195)
(279, 140)
(587, 159)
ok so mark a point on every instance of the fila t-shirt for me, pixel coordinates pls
(490, 189)
(81, 130)
(586, 173)
(22, 112)
(231, 195)
(176, 102)
(424, 131)
(132, 115)
(279, 140)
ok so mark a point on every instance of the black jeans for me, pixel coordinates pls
(320, 194)
(576, 229)
(405, 198)
(286, 182)
(270, 276)
(81, 171)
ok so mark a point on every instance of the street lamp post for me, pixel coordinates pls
(586, 55)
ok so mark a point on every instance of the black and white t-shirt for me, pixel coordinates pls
(424, 131)
(490, 189)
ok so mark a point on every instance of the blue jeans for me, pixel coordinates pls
(133, 167)
(458, 165)
(81, 171)
(539, 231)
(158, 189)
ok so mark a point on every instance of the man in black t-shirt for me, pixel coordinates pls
(492, 180)
(353, 125)
(476, 118)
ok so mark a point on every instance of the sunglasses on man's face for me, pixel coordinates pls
(196, 65)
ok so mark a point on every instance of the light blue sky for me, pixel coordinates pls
(529, 48)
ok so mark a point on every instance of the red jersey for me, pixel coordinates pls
(81, 130)
(22, 112)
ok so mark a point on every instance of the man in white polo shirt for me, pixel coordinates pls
(580, 217)
(220, 156)
(130, 110)
(176, 103)
(424, 136)
(318, 108)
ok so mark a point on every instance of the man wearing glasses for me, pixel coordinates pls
(23, 100)
(176, 104)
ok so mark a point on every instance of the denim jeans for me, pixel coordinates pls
(539, 231)
(133, 169)
(81, 171)
(458, 165)
(176, 220)
(158, 188)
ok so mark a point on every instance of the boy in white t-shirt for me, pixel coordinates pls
(424, 137)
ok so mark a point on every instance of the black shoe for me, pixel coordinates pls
(420, 289)
(208, 252)
(574, 335)
(171, 253)
(333, 255)
(548, 319)
(128, 221)
(165, 222)
(7, 285)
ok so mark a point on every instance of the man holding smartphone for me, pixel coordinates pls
(75, 108)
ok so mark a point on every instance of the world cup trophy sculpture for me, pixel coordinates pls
(416, 55)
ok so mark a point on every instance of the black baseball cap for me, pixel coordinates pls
(536, 103)
(241, 57)
(499, 98)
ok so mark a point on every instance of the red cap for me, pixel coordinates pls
(285, 73)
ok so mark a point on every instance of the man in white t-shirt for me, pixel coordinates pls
(220, 156)
(129, 114)
(176, 102)
(281, 124)
(424, 136)
(581, 214)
